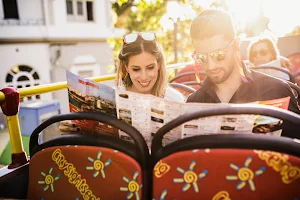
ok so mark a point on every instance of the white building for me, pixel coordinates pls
(40, 39)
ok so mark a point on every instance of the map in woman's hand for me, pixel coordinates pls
(148, 113)
(88, 96)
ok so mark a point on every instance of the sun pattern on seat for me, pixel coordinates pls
(83, 172)
(245, 175)
(49, 180)
(222, 195)
(132, 187)
(233, 174)
(190, 177)
(98, 165)
(160, 169)
(163, 195)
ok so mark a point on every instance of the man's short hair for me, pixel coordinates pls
(211, 22)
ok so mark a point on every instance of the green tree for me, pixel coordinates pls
(121, 6)
(145, 15)
(141, 16)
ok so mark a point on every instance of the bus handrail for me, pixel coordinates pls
(51, 87)
(40, 89)
(179, 65)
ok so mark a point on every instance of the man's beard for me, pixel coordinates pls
(223, 75)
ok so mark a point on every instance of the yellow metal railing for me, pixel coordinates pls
(14, 134)
(13, 121)
(35, 90)
(40, 89)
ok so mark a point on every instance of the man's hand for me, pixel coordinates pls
(285, 62)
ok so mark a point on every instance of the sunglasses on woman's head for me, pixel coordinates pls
(218, 55)
(132, 37)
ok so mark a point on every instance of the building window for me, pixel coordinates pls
(10, 8)
(80, 10)
(69, 7)
(89, 10)
(23, 76)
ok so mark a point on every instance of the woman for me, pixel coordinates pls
(140, 68)
(264, 52)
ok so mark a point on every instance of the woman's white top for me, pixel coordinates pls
(275, 73)
(173, 94)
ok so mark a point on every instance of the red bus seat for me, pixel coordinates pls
(227, 166)
(216, 173)
(86, 166)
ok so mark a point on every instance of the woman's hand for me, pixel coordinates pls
(285, 62)
(66, 127)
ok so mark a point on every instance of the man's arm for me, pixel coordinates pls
(293, 106)
(289, 129)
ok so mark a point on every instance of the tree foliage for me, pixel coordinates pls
(145, 15)
(122, 6)
(141, 15)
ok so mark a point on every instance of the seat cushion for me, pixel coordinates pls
(83, 172)
(227, 174)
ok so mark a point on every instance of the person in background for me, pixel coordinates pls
(141, 68)
(228, 79)
(264, 50)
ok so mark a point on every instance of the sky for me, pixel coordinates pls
(284, 15)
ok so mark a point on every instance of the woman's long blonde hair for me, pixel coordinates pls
(136, 48)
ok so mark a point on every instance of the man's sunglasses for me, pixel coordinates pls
(261, 52)
(132, 37)
(218, 55)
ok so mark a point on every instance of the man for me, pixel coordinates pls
(228, 80)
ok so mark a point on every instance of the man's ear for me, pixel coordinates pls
(237, 43)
